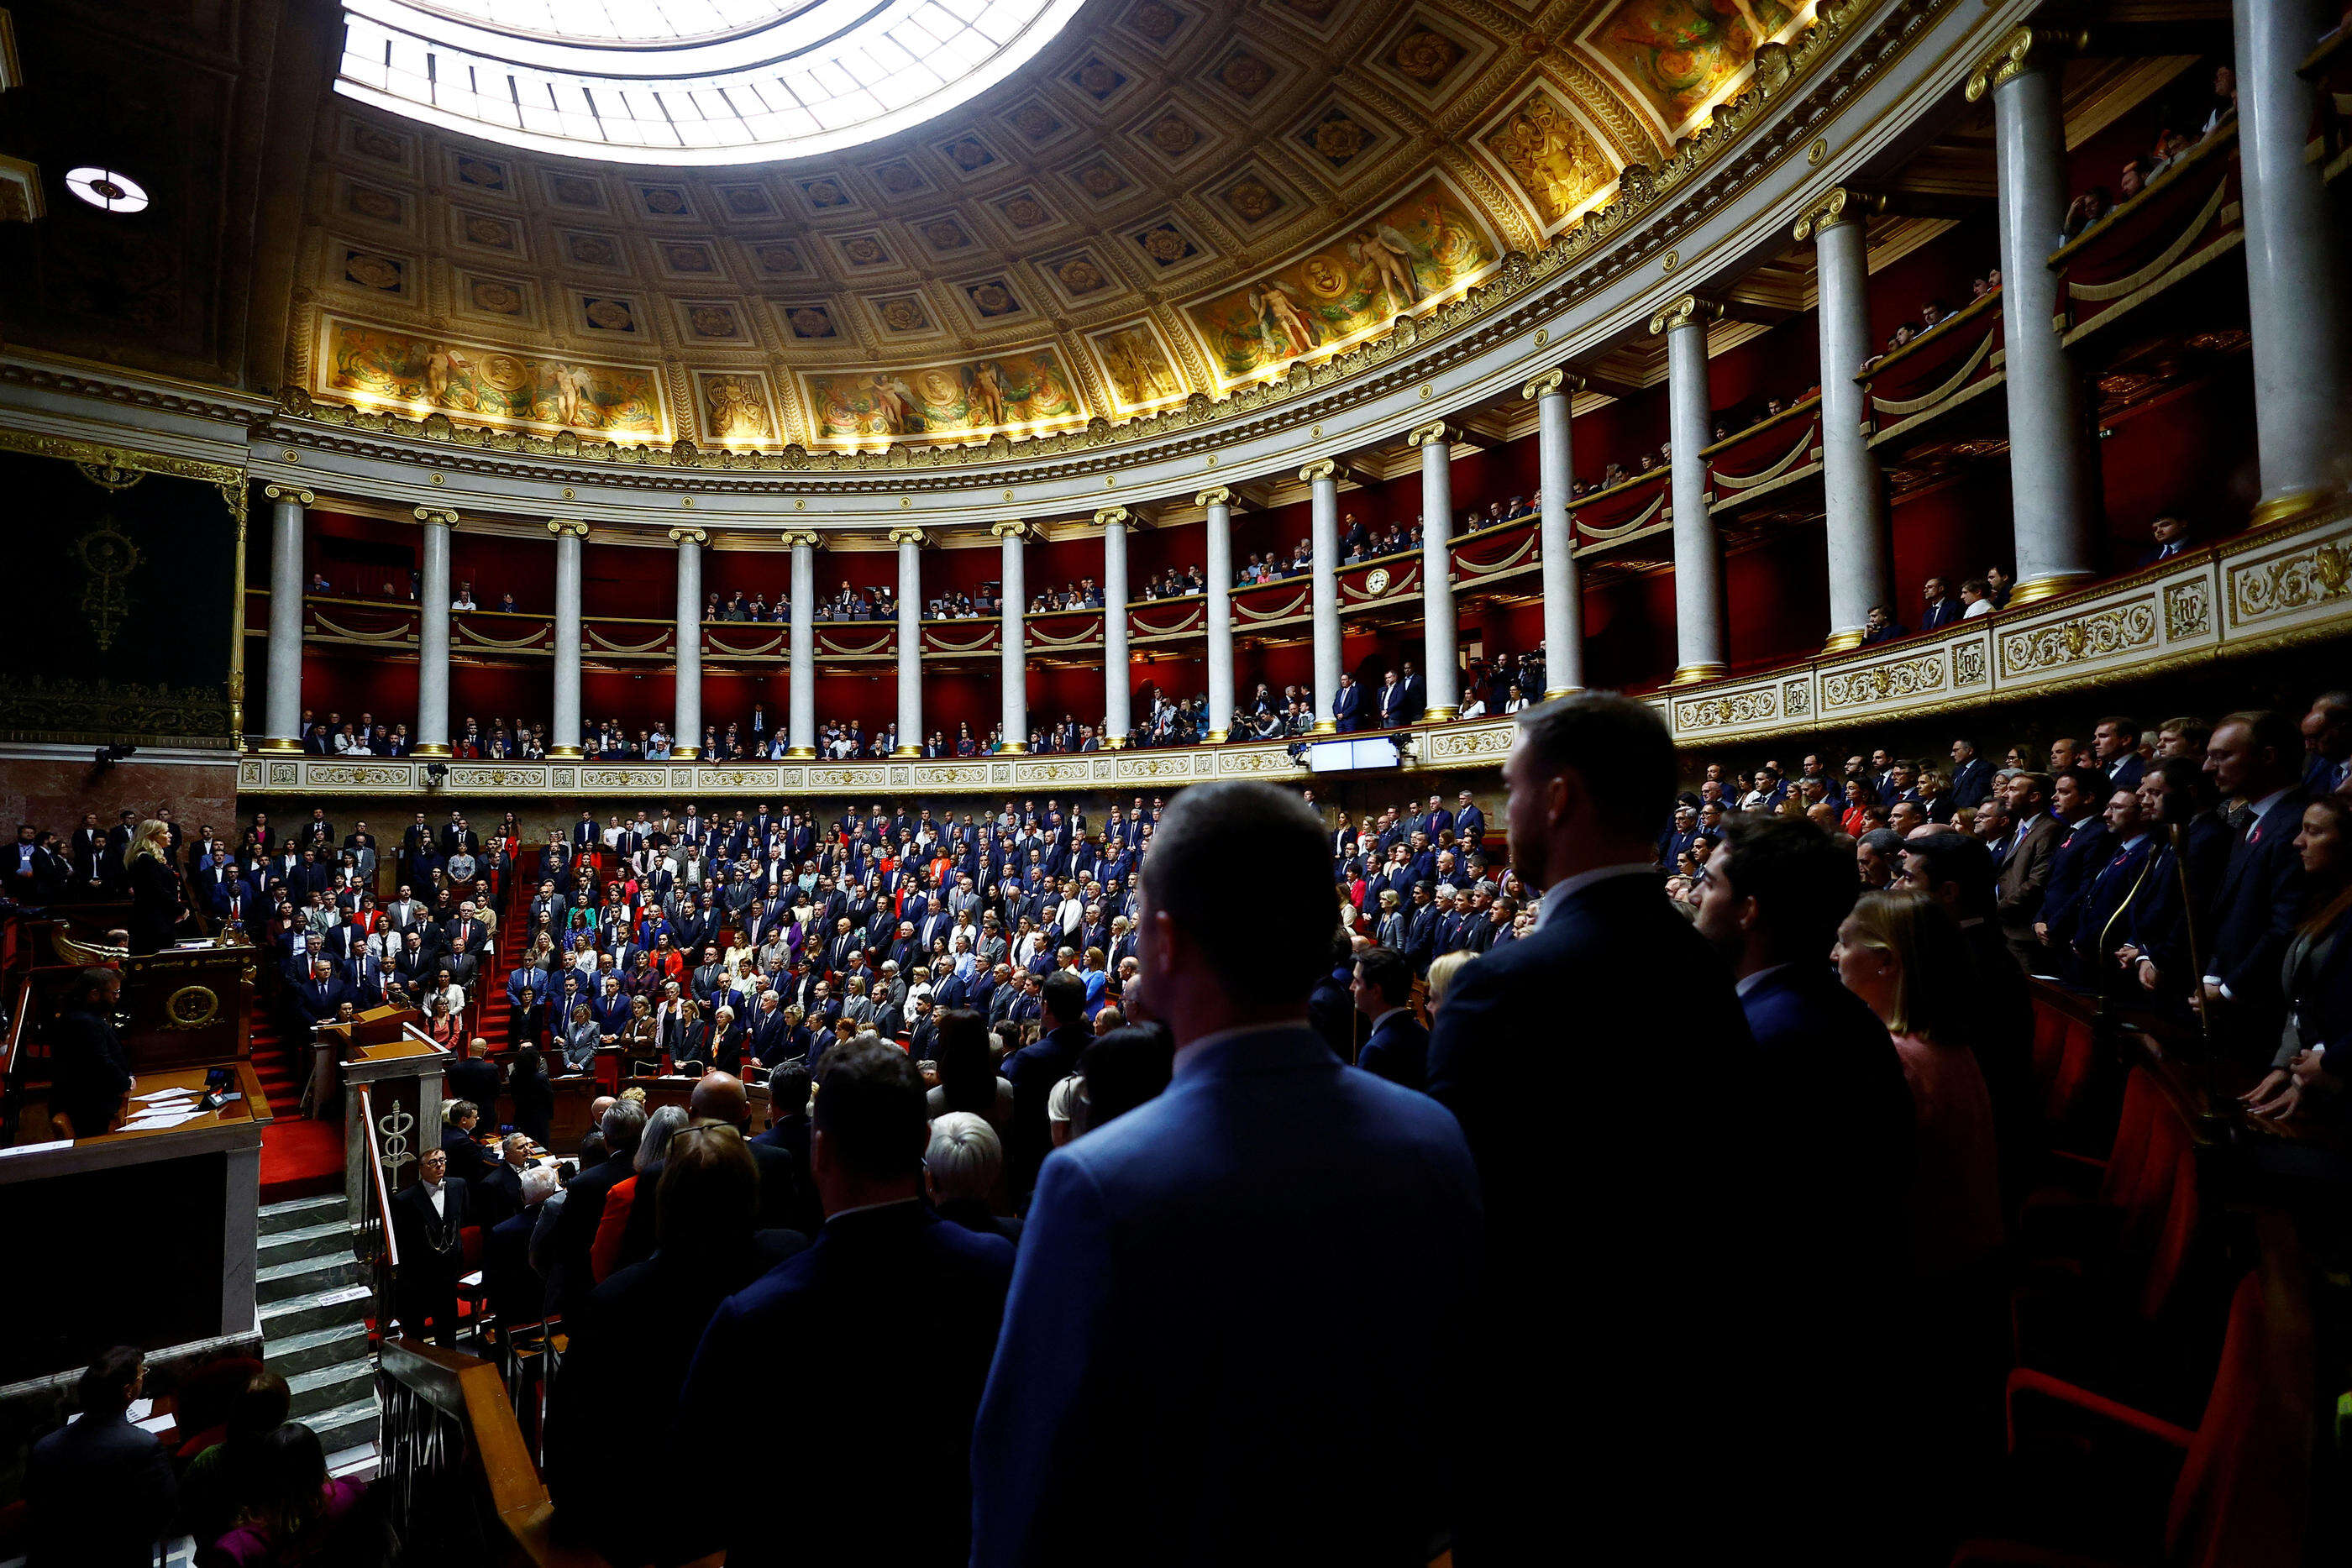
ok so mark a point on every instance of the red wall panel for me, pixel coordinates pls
(334, 681)
(1629, 632)
(496, 564)
(1777, 597)
(2189, 453)
(1951, 530)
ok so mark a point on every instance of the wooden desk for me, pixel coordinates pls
(175, 1258)
(248, 1105)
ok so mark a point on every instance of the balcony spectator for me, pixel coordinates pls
(2170, 539)
(1976, 597)
(1878, 627)
(463, 603)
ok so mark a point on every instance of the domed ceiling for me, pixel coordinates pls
(1172, 196)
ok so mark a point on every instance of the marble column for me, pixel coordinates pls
(1563, 596)
(433, 634)
(1861, 552)
(282, 721)
(1013, 604)
(1438, 635)
(685, 732)
(910, 641)
(1330, 658)
(2050, 463)
(1219, 502)
(1117, 675)
(800, 705)
(563, 731)
(2291, 279)
(1698, 560)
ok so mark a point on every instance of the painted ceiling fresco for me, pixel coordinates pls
(1176, 196)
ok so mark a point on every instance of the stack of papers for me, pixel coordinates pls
(164, 1108)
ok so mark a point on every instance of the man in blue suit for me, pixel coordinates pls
(885, 1262)
(2115, 745)
(2100, 914)
(2081, 848)
(1034, 1070)
(1609, 962)
(1469, 822)
(1130, 1402)
(1398, 1047)
(1346, 703)
(1971, 775)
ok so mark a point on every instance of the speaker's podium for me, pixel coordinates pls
(392, 1078)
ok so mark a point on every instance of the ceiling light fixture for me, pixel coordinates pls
(105, 188)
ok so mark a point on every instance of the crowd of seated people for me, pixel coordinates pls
(2180, 128)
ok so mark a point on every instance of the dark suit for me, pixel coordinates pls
(2076, 857)
(1596, 970)
(1121, 1392)
(431, 1257)
(97, 1494)
(1940, 613)
(497, 1198)
(1034, 1070)
(1345, 704)
(477, 1080)
(1397, 1050)
(88, 1078)
(2253, 914)
(1971, 782)
(904, 1276)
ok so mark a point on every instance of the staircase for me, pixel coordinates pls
(314, 1323)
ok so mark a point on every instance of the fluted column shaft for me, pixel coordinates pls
(1219, 504)
(686, 740)
(2290, 281)
(1860, 552)
(800, 705)
(564, 732)
(1013, 604)
(282, 724)
(2049, 460)
(1563, 601)
(910, 641)
(1322, 475)
(433, 634)
(1698, 562)
(1438, 638)
(1117, 676)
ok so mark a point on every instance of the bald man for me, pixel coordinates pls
(719, 1099)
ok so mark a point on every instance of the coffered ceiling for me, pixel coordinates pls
(1174, 197)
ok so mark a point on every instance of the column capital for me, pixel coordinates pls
(1690, 308)
(797, 537)
(1113, 518)
(1838, 205)
(689, 535)
(444, 516)
(1322, 470)
(1436, 430)
(1215, 495)
(915, 537)
(1551, 381)
(1011, 528)
(573, 526)
(2023, 50)
(288, 493)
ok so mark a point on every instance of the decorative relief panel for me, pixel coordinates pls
(2298, 579)
(1797, 698)
(1723, 712)
(2080, 639)
(2187, 610)
(1919, 675)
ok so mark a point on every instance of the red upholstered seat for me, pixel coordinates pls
(2240, 1495)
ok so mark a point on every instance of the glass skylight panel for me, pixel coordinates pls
(754, 79)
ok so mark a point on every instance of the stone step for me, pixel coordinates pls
(299, 1213)
(320, 1309)
(304, 1276)
(346, 1425)
(330, 1387)
(309, 1241)
(315, 1348)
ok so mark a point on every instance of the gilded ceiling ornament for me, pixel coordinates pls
(106, 475)
(108, 557)
(1554, 159)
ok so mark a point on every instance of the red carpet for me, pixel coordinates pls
(304, 1159)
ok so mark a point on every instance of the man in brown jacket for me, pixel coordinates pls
(2025, 861)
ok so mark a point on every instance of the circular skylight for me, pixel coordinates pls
(105, 188)
(685, 82)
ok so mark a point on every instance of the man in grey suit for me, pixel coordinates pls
(1129, 1402)
(2024, 862)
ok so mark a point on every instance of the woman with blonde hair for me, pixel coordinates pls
(154, 883)
(1902, 951)
(1441, 977)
